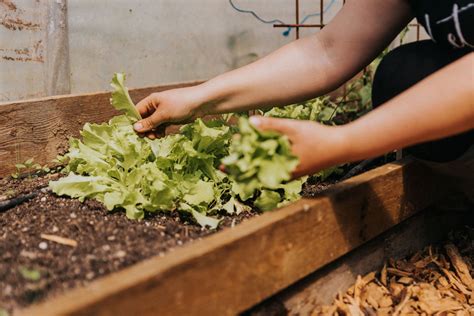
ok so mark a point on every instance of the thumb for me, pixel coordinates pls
(263, 123)
(149, 123)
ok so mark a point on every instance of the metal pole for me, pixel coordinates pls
(297, 22)
(57, 68)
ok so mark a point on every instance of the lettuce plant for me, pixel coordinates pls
(320, 109)
(112, 164)
(260, 165)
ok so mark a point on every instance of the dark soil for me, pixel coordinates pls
(106, 241)
(32, 267)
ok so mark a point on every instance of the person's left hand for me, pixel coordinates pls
(317, 146)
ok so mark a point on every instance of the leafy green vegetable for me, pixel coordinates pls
(259, 164)
(112, 164)
(268, 200)
(115, 166)
(319, 109)
(29, 166)
(121, 99)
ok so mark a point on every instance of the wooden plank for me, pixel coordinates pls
(40, 128)
(236, 268)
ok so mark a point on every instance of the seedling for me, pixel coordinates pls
(29, 167)
(29, 274)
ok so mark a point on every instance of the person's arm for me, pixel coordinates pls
(441, 105)
(298, 71)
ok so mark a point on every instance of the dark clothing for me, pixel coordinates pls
(401, 69)
(447, 22)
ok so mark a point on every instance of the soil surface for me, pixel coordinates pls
(33, 266)
(51, 244)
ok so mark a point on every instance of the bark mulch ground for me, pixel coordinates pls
(435, 281)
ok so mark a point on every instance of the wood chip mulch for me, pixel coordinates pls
(435, 281)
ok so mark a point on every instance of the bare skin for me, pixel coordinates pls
(321, 63)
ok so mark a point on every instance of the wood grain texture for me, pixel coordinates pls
(236, 268)
(40, 128)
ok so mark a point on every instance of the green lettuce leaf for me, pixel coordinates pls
(268, 200)
(261, 162)
(121, 99)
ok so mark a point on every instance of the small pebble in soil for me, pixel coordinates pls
(43, 199)
(55, 229)
(73, 215)
(106, 247)
(7, 290)
(90, 275)
(111, 238)
(43, 245)
(120, 254)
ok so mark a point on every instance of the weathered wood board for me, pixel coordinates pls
(232, 270)
(40, 128)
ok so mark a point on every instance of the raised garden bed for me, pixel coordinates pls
(224, 273)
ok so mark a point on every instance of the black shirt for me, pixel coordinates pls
(447, 22)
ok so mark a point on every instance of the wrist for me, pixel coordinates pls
(329, 146)
(356, 143)
(340, 144)
(198, 97)
(210, 96)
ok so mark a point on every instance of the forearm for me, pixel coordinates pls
(295, 72)
(439, 106)
(311, 66)
(299, 71)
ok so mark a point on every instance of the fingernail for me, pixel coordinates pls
(222, 168)
(138, 126)
(255, 121)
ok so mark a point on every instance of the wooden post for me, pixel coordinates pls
(57, 68)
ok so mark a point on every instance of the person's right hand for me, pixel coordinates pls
(171, 106)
